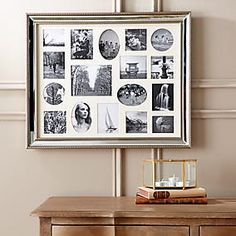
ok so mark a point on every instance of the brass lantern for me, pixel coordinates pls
(170, 174)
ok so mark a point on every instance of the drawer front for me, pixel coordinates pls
(152, 231)
(217, 230)
(82, 231)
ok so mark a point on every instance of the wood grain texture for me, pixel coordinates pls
(151, 231)
(45, 227)
(120, 216)
(126, 207)
(82, 231)
(218, 231)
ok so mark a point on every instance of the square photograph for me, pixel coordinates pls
(162, 67)
(91, 80)
(133, 67)
(135, 39)
(162, 97)
(136, 122)
(54, 122)
(53, 37)
(54, 65)
(163, 124)
(82, 44)
(108, 118)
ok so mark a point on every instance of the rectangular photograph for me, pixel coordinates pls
(162, 67)
(136, 122)
(54, 65)
(54, 122)
(91, 80)
(53, 37)
(163, 124)
(133, 67)
(162, 97)
(82, 44)
(135, 39)
(108, 118)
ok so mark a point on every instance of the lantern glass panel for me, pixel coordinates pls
(170, 173)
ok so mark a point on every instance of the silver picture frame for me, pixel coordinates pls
(109, 80)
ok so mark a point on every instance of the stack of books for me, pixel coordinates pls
(171, 196)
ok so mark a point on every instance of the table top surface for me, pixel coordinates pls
(126, 207)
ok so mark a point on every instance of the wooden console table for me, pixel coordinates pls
(110, 216)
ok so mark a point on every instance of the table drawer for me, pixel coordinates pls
(82, 230)
(217, 230)
(120, 231)
(152, 231)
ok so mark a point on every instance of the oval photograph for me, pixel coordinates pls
(80, 117)
(54, 93)
(162, 39)
(132, 94)
(109, 44)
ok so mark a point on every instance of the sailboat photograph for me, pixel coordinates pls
(108, 118)
(109, 123)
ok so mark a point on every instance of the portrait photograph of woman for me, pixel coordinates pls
(80, 117)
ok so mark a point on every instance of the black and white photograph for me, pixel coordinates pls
(54, 122)
(53, 37)
(54, 93)
(80, 117)
(136, 122)
(108, 118)
(162, 97)
(163, 124)
(82, 44)
(132, 94)
(162, 67)
(135, 39)
(54, 65)
(133, 67)
(162, 39)
(91, 80)
(109, 44)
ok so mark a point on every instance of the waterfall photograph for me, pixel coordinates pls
(162, 97)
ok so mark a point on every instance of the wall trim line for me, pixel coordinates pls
(12, 116)
(13, 85)
(213, 114)
(213, 83)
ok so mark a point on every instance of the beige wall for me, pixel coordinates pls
(27, 177)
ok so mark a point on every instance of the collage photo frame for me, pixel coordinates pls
(108, 80)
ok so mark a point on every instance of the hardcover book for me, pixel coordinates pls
(171, 193)
(179, 200)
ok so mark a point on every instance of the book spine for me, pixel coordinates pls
(156, 194)
(199, 200)
(153, 194)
